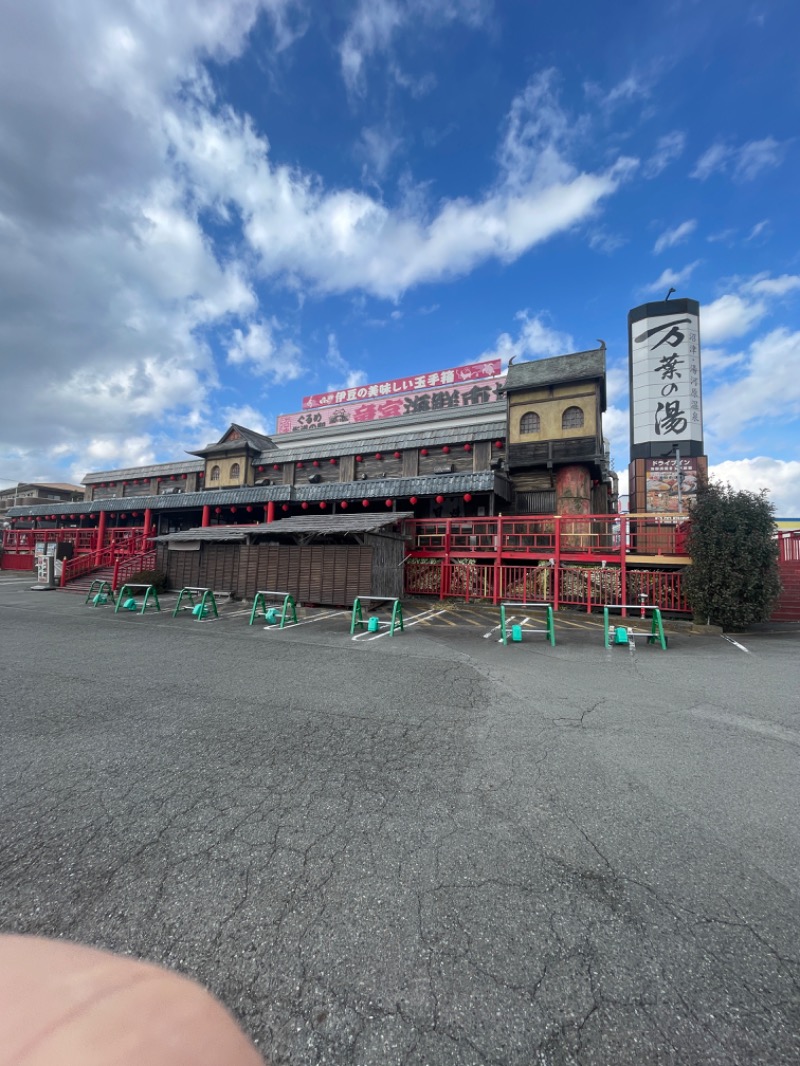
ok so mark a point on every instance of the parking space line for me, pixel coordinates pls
(412, 622)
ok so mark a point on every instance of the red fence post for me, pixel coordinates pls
(556, 560)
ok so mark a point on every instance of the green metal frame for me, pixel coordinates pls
(288, 605)
(550, 626)
(98, 588)
(207, 600)
(656, 634)
(150, 591)
(357, 617)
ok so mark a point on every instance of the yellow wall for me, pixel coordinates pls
(225, 480)
(549, 403)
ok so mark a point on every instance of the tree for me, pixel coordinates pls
(734, 579)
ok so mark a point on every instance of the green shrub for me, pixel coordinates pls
(156, 578)
(734, 579)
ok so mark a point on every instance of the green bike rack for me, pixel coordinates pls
(100, 592)
(623, 633)
(127, 596)
(372, 624)
(268, 602)
(517, 630)
(199, 610)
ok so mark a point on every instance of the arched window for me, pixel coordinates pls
(572, 418)
(235, 469)
(214, 473)
(530, 423)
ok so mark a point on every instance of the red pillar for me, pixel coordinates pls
(148, 518)
(101, 534)
(271, 511)
(206, 520)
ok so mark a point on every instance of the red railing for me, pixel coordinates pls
(589, 588)
(79, 565)
(600, 537)
(124, 568)
(789, 545)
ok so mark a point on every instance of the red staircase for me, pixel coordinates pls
(788, 609)
(83, 583)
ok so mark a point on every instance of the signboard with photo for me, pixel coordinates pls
(662, 485)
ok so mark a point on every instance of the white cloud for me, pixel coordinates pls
(767, 286)
(744, 163)
(768, 391)
(535, 338)
(257, 348)
(757, 230)
(375, 23)
(732, 315)
(714, 158)
(342, 239)
(349, 378)
(780, 477)
(668, 148)
(671, 279)
(669, 238)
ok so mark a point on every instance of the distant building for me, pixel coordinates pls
(29, 494)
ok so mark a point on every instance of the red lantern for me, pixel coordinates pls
(172, 477)
(378, 455)
(322, 505)
(413, 500)
(397, 455)
(217, 510)
(467, 447)
(467, 497)
(183, 477)
(275, 466)
(249, 509)
(121, 516)
(359, 459)
(233, 510)
(388, 503)
(498, 444)
(299, 466)
(423, 451)
(332, 462)
(261, 470)
(135, 514)
(315, 463)
(343, 505)
(201, 474)
(446, 449)
(304, 505)
(72, 516)
(365, 503)
(440, 499)
(284, 506)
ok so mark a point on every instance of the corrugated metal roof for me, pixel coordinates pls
(335, 523)
(386, 443)
(186, 466)
(321, 524)
(210, 533)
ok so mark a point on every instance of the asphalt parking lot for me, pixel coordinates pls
(425, 848)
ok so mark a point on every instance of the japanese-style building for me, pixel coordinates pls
(493, 487)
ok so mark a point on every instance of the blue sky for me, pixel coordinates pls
(209, 210)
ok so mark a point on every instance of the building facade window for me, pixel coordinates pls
(214, 473)
(234, 471)
(572, 418)
(530, 423)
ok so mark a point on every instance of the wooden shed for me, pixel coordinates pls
(321, 559)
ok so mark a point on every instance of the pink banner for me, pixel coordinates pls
(470, 395)
(490, 368)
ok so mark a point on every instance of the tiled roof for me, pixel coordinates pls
(560, 368)
(185, 466)
(422, 485)
(491, 430)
